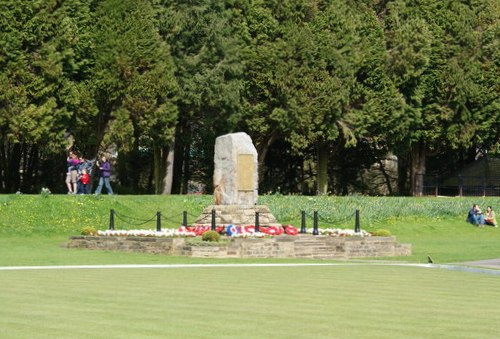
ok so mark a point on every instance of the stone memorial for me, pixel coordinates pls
(235, 170)
(235, 182)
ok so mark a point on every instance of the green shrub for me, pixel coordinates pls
(89, 230)
(211, 236)
(45, 192)
(382, 233)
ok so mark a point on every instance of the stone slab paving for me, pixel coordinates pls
(490, 263)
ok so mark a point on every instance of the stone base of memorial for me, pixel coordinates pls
(300, 246)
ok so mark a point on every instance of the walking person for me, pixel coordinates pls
(104, 174)
(84, 165)
(72, 173)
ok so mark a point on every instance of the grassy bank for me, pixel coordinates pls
(32, 227)
(62, 214)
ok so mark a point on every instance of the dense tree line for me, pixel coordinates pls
(325, 88)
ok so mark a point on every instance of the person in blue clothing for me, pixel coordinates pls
(104, 174)
(476, 216)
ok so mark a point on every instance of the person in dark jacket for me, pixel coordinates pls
(475, 216)
(104, 174)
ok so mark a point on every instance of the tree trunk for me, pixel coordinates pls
(157, 169)
(3, 161)
(418, 155)
(387, 178)
(169, 170)
(323, 169)
(182, 139)
(14, 162)
(262, 149)
(186, 170)
(33, 167)
(403, 168)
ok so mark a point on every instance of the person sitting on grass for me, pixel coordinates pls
(489, 219)
(475, 216)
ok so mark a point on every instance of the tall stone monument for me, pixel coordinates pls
(236, 184)
(235, 170)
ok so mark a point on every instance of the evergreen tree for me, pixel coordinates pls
(207, 51)
(133, 81)
(42, 58)
(436, 63)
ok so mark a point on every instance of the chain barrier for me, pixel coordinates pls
(192, 215)
(171, 218)
(338, 220)
(334, 221)
(140, 223)
(132, 221)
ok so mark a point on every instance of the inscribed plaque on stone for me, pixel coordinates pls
(245, 172)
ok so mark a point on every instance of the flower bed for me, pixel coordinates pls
(234, 231)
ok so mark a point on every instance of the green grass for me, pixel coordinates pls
(445, 240)
(35, 214)
(63, 214)
(249, 302)
(342, 301)
(33, 227)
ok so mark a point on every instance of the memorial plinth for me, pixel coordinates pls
(236, 184)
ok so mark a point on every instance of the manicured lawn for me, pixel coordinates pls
(250, 302)
(342, 301)
(446, 240)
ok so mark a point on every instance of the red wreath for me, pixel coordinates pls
(272, 230)
(198, 230)
(249, 229)
(290, 230)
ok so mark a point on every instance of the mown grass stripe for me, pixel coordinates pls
(222, 302)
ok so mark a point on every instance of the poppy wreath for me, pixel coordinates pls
(290, 230)
(272, 230)
(249, 229)
(198, 230)
(232, 230)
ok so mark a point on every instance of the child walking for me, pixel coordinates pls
(84, 180)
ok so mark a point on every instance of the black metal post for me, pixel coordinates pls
(257, 226)
(158, 221)
(213, 220)
(303, 228)
(315, 223)
(111, 219)
(184, 218)
(460, 185)
(357, 227)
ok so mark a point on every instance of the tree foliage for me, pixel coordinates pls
(329, 86)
